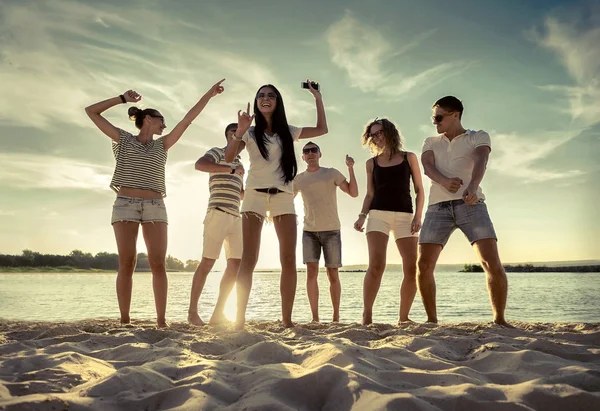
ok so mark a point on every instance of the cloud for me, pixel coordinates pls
(363, 52)
(575, 43)
(518, 155)
(29, 171)
(64, 55)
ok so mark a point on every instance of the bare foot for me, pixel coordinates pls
(367, 319)
(194, 318)
(407, 320)
(288, 324)
(432, 320)
(336, 318)
(125, 319)
(315, 320)
(162, 324)
(502, 322)
(239, 325)
(218, 318)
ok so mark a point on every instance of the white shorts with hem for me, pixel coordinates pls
(222, 229)
(268, 205)
(385, 221)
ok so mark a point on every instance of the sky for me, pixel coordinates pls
(527, 72)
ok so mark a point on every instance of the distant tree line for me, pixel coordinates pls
(530, 268)
(86, 261)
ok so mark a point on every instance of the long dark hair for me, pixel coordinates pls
(287, 163)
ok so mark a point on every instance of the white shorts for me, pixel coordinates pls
(268, 205)
(221, 228)
(386, 221)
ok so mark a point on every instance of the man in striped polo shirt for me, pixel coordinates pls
(222, 226)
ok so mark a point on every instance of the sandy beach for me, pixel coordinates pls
(101, 365)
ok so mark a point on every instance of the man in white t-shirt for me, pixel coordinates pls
(455, 161)
(321, 223)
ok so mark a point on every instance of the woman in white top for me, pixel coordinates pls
(269, 190)
(139, 180)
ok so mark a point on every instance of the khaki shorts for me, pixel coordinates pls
(222, 229)
(268, 205)
(386, 221)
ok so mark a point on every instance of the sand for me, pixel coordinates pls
(101, 365)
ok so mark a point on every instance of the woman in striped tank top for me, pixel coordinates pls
(389, 206)
(139, 181)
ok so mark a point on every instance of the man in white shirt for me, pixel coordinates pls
(455, 161)
(322, 224)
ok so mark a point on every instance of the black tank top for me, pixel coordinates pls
(392, 187)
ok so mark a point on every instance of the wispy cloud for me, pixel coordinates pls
(575, 43)
(41, 171)
(363, 52)
(73, 54)
(519, 155)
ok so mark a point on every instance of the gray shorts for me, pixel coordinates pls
(443, 218)
(139, 210)
(330, 241)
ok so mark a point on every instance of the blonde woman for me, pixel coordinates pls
(388, 204)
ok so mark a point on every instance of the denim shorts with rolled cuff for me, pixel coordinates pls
(441, 219)
(329, 241)
(139, 210)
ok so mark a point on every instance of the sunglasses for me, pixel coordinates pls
(270, 96)
(310, 150)
(376, 134)
(439, 117)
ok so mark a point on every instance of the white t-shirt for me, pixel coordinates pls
(267, 173)
(455, 159)
(319, 193)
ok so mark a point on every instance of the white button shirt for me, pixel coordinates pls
(455, 158)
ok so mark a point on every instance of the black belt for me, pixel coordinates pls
(272, 190)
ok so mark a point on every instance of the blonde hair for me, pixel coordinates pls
(392, 138)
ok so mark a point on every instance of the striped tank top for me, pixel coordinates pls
(139, 165)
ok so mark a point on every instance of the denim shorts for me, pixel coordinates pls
(139, 210)
(443, 218)
(330, 241)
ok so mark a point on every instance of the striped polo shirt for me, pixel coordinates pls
(139, 165)
(225, 188)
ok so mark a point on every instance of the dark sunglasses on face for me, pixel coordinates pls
(270, 96)
(439, 117)
(310, 150)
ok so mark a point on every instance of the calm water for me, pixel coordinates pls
(544, 297)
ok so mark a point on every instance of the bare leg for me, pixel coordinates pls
(312, 289)
(428, 256)
(408, 251)
(126, 233)
(251, 231)
(155, 235)
(286, 229)
(227, 283)
(206, 264)
(377, 254)
(497, 284)
(335, 291)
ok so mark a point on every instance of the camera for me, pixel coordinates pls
(314, 85)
